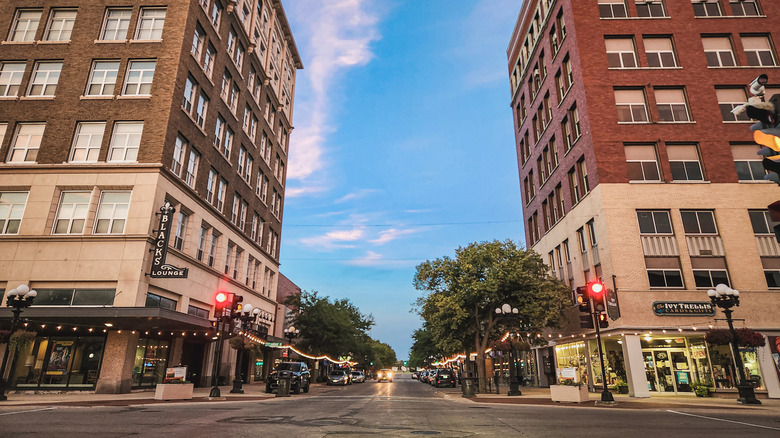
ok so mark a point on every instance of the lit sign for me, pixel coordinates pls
(683, 308)
(159, 268)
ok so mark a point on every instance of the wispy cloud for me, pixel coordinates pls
(392, 234)
(375, 260)
(336, 36)
(360, 194)
(335, 239)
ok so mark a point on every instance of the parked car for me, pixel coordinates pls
(339, 377)
(415, 375)
(384, 375)
(358, 377)
(301, 377)
(424, 376)
(444, 378)
(432, 376)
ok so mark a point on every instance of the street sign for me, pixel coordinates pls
(613, 307)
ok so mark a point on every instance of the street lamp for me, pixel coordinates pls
(19, 298)
(507, 310)
(726, 298)
(291, 333)
(248, 314)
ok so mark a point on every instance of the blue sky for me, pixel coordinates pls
(402, 150)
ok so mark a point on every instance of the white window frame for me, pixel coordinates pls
(116, 24)
(728, 99)
(190, 93)
(181, 230)
(619, 47)
(151, 22)
(125, 140)
(87, 142)
(201, 109)
(758, 50)
(636, 156)
(101, 75)
(614, 6)
(73, 212)
(139, 77)
(671, 152)
(11, 74)
(12, 211)
(632, 104)
(25, 25)
(666, 285)
(177, 158)
(46, 75)
(647, 5)
(113, 212)
(705, 7)
(191, 174)
(26, 142)
(664, 98)
(659, 52)
(740, 4)
(713, 45)
(60, 25)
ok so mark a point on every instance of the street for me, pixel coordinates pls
(402, 408)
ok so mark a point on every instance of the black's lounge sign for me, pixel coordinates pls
(683, 308)
(159, 268)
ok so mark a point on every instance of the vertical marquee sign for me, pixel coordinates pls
(159, 268)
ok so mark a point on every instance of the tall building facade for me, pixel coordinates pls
(634, 170)
(120, 121)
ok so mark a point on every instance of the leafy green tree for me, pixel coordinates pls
(424, 347)
(383, 355)
(463, 293)
(335, 328)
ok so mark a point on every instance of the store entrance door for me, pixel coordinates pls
(668, 370)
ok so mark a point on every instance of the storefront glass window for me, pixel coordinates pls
(724, 368)
(59, 363)
(151, 358)
(573, 356)
(613, 351)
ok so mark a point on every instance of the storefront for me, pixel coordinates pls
(58, 362)
(151, 359)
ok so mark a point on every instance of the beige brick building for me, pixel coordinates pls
(108, 110)
(634, 171)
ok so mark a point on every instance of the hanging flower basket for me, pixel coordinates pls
(718, 337)
(501, 346)
(750, 338)
(241, 343)
(21, 339)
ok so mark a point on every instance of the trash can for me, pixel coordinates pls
(283, 390)
(468, 384)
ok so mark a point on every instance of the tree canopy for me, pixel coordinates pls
(463, 293)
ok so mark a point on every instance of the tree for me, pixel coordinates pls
(383, 355)
(423, 348)
(335, 328)
(459, 309)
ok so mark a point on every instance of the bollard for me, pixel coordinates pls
(467, 385)
(284, 377)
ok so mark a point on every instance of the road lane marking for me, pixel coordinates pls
(31, 410)
(721, 419)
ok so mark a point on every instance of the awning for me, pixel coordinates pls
(121, 318)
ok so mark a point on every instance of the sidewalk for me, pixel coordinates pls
(255, 391)
(541, 397)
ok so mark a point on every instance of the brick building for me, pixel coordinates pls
(110, 111)
(634, 170)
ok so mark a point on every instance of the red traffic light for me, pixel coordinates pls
(595, 289)
(221, 297)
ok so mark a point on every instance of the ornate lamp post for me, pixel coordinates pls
(246, 316)
(507, 310)
(726, 298)
(19, 298)
(291, 333)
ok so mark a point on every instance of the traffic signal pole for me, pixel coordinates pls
(606, 396)
(215, 393)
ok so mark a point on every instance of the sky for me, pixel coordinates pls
(402, 149)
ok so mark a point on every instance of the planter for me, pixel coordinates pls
(173, 391)
(621, 389)
(569, 393)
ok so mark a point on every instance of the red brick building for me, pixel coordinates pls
(109, 111)
(634, 170)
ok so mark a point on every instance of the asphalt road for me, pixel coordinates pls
(404, 408)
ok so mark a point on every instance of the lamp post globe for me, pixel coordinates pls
(507, 310)
(19, 298)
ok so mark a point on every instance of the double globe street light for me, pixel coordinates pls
(19, 298)
(507, 310)
(246, 315)
(726, 298)
(291, 333)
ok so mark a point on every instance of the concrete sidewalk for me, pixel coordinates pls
(541, 396)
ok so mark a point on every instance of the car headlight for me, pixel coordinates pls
(389, 375)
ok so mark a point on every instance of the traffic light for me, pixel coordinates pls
(596, 292)
(582, 299)
(586, 321)
(220, 303)
(235, 305)
(603, 322)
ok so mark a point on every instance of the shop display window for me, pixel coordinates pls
(59, 363)
(573, 356)
(613, 352)
(151, 358)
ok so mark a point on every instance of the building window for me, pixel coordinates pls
(12, 206)
(213, 248)
(761, 222)
(125, 141)
(234, 215)
(698, 222)
(654, 222)
(744, 8)
(253, 229)
(150, 24)
(192, 168)
(44, 79)
(181, 230)
(140, 74)
(112, 212)
(190, 89)
(197, 311)
(709, 278)
(612, 9)
(201, 109)
(26, 142)
(758, 51)
(621, 52)
(665, 278)
(211, 186)
(684, 162)
(11, 78)
(208, 60)
(221, 194)
(660, 52)
(154, 300)
(227, 143)
(671, 105)
(25, 25)
(198, 41)
(728, 99)
(772, 279)
(264, 192)
(642, 163)
(202, 237)
(72, 213)
(102, 78)
(177, 160)
(718, 51)
(631, 106)
(228, 258)
(216, 14)
(650, 8)
(706, 8)
(60, 25)
(87, 142)
(748, 162)
(116, 24)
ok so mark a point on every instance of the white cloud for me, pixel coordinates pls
(335, 239)
(360, 194)
(333, 37)
(392, 234)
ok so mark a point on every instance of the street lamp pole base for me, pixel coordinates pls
(215, 392)
(606, 396)
(514, 392)
(747, 395)
(237, 387)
